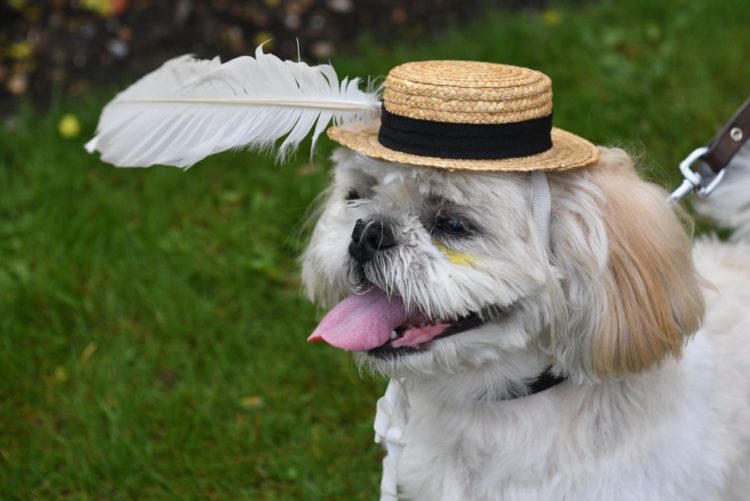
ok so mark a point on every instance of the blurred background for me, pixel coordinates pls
(152, 324)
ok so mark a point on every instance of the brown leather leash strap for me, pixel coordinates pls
(714, 157)
(729, 140)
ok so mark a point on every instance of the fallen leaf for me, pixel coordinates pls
(86, 354)
(20, 51)
(69, 127)
(551, 17)
(60, 375)
(251, 402)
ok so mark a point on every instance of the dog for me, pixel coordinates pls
(556, 334)
(650, 332)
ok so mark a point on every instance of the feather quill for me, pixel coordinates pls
(189, 109)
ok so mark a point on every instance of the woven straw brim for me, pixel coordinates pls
(568, 152)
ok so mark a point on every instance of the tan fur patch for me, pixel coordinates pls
(654, 300)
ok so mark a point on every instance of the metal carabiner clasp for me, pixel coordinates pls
(694, 181)
(706, 190)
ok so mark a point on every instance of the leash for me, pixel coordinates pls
(714, 157)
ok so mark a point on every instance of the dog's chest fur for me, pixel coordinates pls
(648, 437)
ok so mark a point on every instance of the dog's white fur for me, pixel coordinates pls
(653, 411)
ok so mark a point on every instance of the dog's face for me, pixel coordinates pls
(446, 273)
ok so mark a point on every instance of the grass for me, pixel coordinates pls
(151, 321)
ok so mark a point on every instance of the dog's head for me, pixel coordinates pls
(444, 273)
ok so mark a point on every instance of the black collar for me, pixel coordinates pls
(543, 381)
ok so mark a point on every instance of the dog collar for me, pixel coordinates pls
(543, 381)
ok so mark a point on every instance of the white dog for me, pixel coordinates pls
(449, 286)
(578, 357)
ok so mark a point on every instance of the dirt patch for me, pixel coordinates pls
(71, 45)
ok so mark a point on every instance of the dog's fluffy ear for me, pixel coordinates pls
(630, 286)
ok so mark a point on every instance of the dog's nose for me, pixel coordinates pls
(369, 237)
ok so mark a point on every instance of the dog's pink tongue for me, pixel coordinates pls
(361, 323)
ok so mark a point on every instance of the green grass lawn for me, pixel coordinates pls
(152, 324)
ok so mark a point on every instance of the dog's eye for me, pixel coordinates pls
(451, 225)
(353, 195)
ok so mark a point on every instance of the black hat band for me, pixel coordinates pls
(465, 141)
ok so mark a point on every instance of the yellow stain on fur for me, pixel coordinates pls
(455, 257)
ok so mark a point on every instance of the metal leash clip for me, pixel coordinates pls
(701, 181)
(713, 159)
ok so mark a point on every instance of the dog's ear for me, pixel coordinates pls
(631, 290)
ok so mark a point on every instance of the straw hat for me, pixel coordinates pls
(466, 115)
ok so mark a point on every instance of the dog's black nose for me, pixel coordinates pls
(368, 238)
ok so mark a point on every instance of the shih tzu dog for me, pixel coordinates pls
(551, 330)
(441, 278)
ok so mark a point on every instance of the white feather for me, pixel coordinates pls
(189, 109)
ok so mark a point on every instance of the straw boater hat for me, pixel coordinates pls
(467, 115)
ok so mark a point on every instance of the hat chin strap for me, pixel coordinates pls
(390, 422)
(541, 206)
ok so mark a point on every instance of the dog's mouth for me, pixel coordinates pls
(382, 327)
(408, 339)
